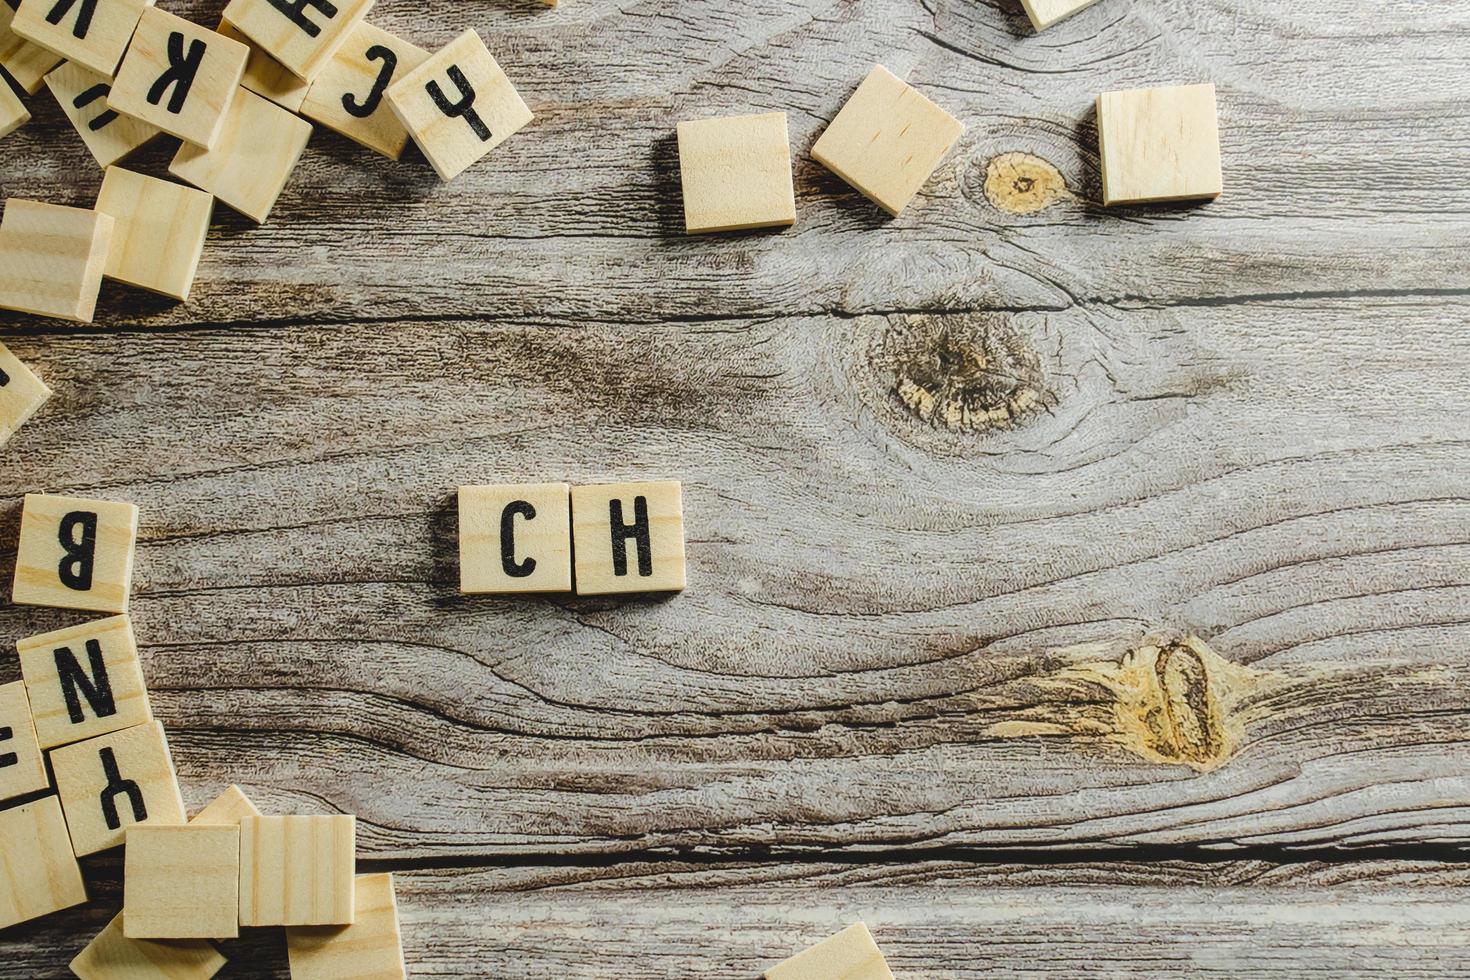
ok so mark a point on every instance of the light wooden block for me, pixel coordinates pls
(258, 148)
(84, 681)
(182, 882)
(38, 874)
(1159, 144)
(110, 783)
(13, 112)
(348, 95)
(369, 949)
(1044, 13)
(628, 537)
(27, 63)
(849, 955)
(515, 538)
(267, 77)
(191, 105)
(736, 173)
(226, 810)
(108, 134)
(458, 105)
(113, 956)
(300, 34)
(887, 140)
(75, 553)
(21, 394)
(51, 259)
(22, 767)
(159, 232)
(90, 33)
(297, 871)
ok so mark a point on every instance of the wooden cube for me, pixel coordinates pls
(267, 77)
(628, 537)
(22, 767)
(851, 955)
(257, 150)
(90, 33)
(27, 63)
(84, 681)
(371, 947)
(458, 105)
(115, 781)
(226, 810)
(38, 873)
(348, 95)
(515, 538)
(112, 956)
(51, 259)
(297, 871)
(13, 112)
(887, 140)
(109, 136)
(182, 882)
(1159, 144)
(75, 553)
(301, 34)
(736, 173)
(188, 103)
(21, 394)
(159, 232)
(1044, 13)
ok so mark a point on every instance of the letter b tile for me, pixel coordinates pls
(75, 553)
(84, 681)
(515, 538)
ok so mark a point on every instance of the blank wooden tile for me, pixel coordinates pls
(369, 949)
(736, 173)
(887, 140)
(112, 956)
(1044, 13)
(21, 394)
(297, 871)
(75, 553)
(849, 955)
(189, 105)
(13, 112)
(227, 809)
(181, 882)
(27, 63)
(348, 95)
(267, 77)
(38, 874)
(51, 259)
(515, 538)
(628, 537)
(108, 134)
(1159, 144)
(91, 34)
(110, 783)
(84, 681)
(159, 232)
(458, 105)
(22, 767)
(302, 36)
(258, 148)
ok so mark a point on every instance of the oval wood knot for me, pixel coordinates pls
(964, 372)
(1022, 183)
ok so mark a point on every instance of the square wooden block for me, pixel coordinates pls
(297, 871)
(22, 767)
(13, 112)
(1044, 13)
(108, 135)
(628, 537)
(51, 259)
(267, 77)
(300, 34)
(179, 76)
(159, 232)
(110, 783)
(90, 33)
(515, 538)
(887, 140)
(371, 947)
(850, 955)
(112, 956)
(27, 63)
(181, 882)
(736, 173)
(348, 95)
(21, 394)
(1159, 144)
(38, 874)
(75, 553)
(84, 681)
(226, 810)
(458, 105)
(258, 148)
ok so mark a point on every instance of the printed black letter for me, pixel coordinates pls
(75, 684)
(115, 785)
(98, 91)
(464, 107)
(181, 71)
(369, 105)
(8, 758)
(84, 16)
(295, 11)
(508, 539)
(75, 570)
(638, 531)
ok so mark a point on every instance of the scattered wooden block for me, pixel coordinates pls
(628, 537)
(84, 681)
(267, 77)
(348, 95)
(297, 871)
(258, 148)
(515, 538)
(75, 553)
(90, 33)
(1044, 13)
(1159, 144)
(112, 956)
(13, 112)
(849, 955)
(22, 768)
(27, 63)
(301, 34)
(736, 173)
(226, 810)
(371, 947)
(159, 232)
(887, 140)
(458, 105)
(179, 76)
(51, 259)
(109, 135)
(115, 781)
(38, 873)
(181, 882)
(21, 394)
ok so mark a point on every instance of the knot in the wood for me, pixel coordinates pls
(1022, 183)
(964, 372)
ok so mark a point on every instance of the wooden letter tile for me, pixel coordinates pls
(21, 394)
(258, 148)
(887, 140)
(348, 95)
(369, 949)
(849, 955)
(22, 768)
(265, 76)
(515, 538)
(51, 259)
(13, 112)
(1159, 144)
(159, 231)
(108, 135)
(75, 553)
(27, 63)
(84, 681)
(179, 76)
(736, 173)
(112, 782)
(1044, 13)
(37, 871)
(112, 956)
(297, 871)
(301, 34)
(181, 882)
(226, 810)
(458, 105)
(89, 33)
(628, 537)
